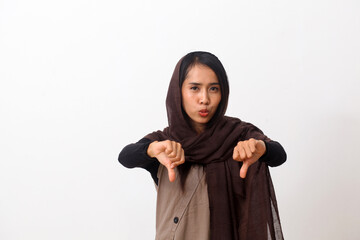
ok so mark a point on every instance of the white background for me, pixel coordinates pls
(82, 79)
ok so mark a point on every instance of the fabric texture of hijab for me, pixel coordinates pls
(239, 208)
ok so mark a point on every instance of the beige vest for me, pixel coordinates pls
(182, 215)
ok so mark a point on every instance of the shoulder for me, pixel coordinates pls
(245, 129)
(158, 135)
(237, 121)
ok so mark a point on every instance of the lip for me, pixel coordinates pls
(204, 112)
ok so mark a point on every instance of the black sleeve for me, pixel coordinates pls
(275, 154)
(135, 155)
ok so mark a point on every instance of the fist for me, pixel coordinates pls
(168, 153)
(248, 152)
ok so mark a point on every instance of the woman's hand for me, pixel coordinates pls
(168, 153)
(248, 152)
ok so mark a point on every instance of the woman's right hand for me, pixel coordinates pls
(168, 153)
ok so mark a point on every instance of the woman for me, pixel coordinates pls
(211, 170)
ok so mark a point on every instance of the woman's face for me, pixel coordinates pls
(201, 95)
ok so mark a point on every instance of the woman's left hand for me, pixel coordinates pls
(248, 152)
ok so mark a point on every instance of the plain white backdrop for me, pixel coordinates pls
(82, 79)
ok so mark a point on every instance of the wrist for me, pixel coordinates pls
(264, 152)
(150, 151)
(262, 147)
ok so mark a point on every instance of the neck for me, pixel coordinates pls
(198, 127)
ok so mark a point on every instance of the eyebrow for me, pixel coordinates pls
(195, 83)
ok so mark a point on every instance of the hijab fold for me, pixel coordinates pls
(240, 209)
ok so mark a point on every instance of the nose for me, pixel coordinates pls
(204, 98)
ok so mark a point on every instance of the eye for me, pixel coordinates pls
(194, 88)
(214, 89)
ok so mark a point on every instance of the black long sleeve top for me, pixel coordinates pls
(135, 155)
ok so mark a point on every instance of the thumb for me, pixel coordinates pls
(171, 173)
(244, 169)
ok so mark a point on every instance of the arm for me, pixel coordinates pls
(135, 155)
(274, 155)
(149, 154)
(252, 150)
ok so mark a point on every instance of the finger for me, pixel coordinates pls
(242, 152)
(247, 150)
(180, 161)
(178, 151)
(172, 175)
(171, 153)
(252, 145)
(236, 154)
(175, 164)
(168, 146)
(243, 170)
(182, 158)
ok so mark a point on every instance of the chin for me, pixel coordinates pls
(202, 120)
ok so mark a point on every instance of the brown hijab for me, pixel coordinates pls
(239, 208)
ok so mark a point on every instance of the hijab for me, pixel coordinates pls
(240, 209)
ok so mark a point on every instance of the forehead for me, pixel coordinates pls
(201, 74)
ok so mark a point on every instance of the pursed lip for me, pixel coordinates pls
(204, 112)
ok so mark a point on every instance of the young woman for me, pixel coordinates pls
(211, 170)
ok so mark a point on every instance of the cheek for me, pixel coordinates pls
(185, 100)
(217, 100)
